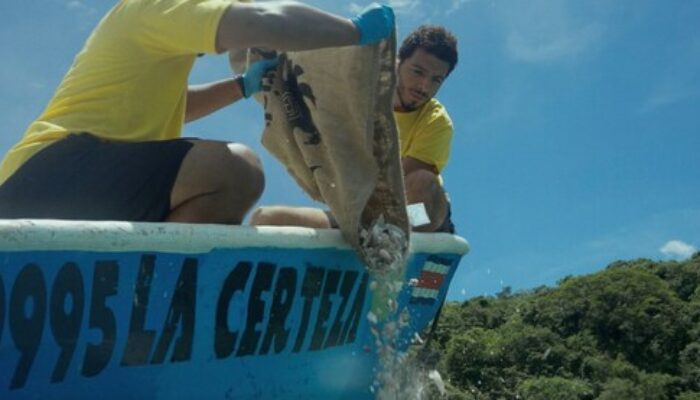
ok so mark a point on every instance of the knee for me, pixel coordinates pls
(420, 185)
(213, 166)
(275, 215)
(261, 216)
(291, 216)
(246, 178)
(236, 173)
(424, 187)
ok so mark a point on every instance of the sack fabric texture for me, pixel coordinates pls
(329, 120)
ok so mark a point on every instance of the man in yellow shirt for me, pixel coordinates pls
(108, 144)
(425, 59)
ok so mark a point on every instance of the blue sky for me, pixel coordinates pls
(577, 124)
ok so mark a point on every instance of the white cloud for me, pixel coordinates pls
(399, 6)
(681, 79)
(566, 44)
(355, 8)
(538, 31)
(546, 264)
(640, 238)
(667, 95)
(678, 249)
(81, 7)
(74, 4)
(457, 4)
(404, 6)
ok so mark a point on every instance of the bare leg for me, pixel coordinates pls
(292, 216)
(421, 187)
(424, 187)
(218, 182)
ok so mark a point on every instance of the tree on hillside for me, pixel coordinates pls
(630, 331)
(630, 311)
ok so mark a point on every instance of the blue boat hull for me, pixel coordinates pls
(113, 311)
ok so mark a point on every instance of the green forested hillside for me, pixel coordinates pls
(629, 332)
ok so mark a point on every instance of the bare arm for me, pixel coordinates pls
(203, 100)
(410, 164)
(284, 26)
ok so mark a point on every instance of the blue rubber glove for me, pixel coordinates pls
(251, 80)
(374, 23)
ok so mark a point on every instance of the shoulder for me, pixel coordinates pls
(170, 26)
(436, 113)
(171, 11)
(437, 110)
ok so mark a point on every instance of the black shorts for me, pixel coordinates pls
(447, 226)
(85, 177)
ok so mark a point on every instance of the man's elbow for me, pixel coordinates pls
(246, 25)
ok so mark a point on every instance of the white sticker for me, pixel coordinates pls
(417, 215)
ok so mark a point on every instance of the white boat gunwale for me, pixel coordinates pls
(62, 235)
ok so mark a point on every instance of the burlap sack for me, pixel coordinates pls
(329, 120)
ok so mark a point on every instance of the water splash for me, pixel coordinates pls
(400, 375)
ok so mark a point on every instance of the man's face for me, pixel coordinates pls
(418, 79)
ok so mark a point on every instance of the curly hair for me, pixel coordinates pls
(435, 40)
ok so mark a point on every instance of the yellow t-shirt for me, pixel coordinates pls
(426, 133)
(129, 82)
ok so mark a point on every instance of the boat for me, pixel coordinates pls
(114, 310)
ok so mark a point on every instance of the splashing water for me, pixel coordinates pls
(400, 375)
